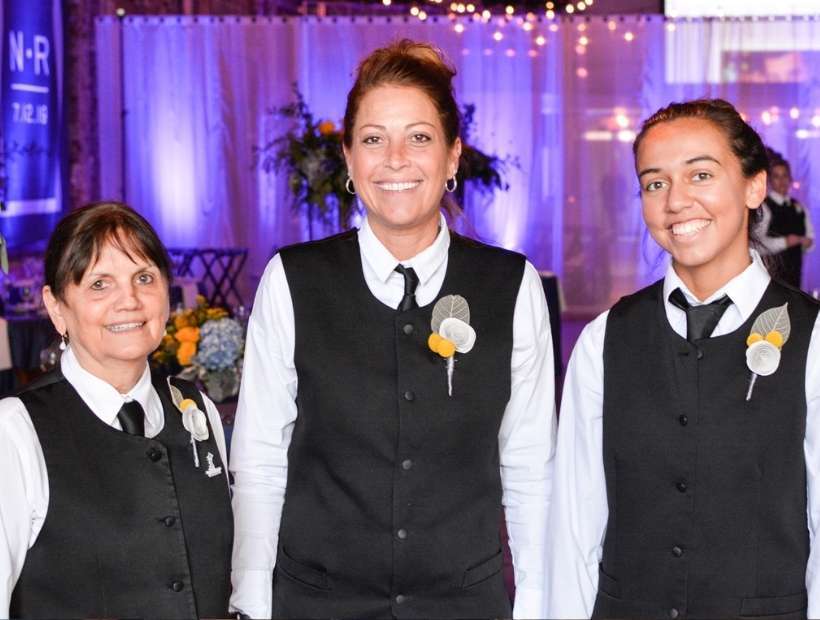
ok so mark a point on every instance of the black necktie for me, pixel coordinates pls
(700, 320)
(132, 418)
(411, 281)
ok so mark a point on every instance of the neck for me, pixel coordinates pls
(123, 377)
(403, 243)
(703, 280)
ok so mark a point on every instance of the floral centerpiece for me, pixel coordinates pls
(203, 345)
(311, 155)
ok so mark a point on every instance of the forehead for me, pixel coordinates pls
(119, 251)
(396, 105)
(674, 142)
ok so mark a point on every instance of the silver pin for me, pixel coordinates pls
(212, 469)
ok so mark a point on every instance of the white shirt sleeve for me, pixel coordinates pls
(259, 450)
(23, 494)
(811, 449)
(767, 244)
(579, 509)
(809, 227)
(527, 443)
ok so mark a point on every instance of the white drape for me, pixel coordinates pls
(197, 92)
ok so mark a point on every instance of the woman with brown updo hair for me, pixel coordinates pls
(376, 440)
(686, 476)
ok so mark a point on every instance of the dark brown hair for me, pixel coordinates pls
(77, 239)
(743, 140)
(406, 63)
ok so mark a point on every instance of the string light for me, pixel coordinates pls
(570, 9)
(629, 37)
(583, 41)
(414, 11)
(581, 72)
(540, 40)
(510, 9)
(497, 35)
(387, 2)
(550, 14)
(459, 28)
(794, 113)
(612, 24)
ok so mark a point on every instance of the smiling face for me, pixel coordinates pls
(399, 161)
(696, 200)
(115, 316)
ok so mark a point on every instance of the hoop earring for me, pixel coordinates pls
(454, 186)
(63, 341)
(349, 186)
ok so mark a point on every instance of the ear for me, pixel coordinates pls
(55, 310)
(346, 153)
(756, 190)
(453, 157)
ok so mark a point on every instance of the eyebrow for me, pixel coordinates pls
(687, 162)
(383, 128)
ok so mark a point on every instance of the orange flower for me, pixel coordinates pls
(326, 128)
(216, 313)
(186, 352)
(184, 319)
(188, 334)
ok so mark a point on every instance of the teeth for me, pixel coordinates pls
(398, 187)
(123, 327)
(690, 227)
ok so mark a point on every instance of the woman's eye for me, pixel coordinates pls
(371, 140)
(653, 186)
(97, 285)
(145, 278)
(420, 138)
(702, 176)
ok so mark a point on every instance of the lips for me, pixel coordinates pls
(402, 186)
(689, 228)
(119, 328)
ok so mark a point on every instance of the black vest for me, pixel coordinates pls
(706, 491)
(393, 500)
(133, 529)
(787, 221)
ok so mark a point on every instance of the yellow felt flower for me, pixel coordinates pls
(775, 337)
(326, 128)
(433, 342)
(446, 348)
(186, 353)
(188, 334)
(753, 337)
(185, 403)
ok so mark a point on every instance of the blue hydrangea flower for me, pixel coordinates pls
(220, 344)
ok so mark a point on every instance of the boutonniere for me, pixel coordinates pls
(193, 419)
(770, 331)
(451, 332)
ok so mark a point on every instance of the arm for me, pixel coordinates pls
(811, 448)
(23, 494)
(526, 444)
(579, 511)
(264, 425)
(808, 240)
(768, 245)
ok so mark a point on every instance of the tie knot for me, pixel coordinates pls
(411, 281)
(132, 418)
(701, 320)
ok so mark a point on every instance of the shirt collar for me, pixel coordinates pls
(425, 263)
(100, 396)
(745, 289)
(777, 197)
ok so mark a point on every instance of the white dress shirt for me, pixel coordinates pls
(24, 487)
(775, 245)
(267, 412)
(579, 513)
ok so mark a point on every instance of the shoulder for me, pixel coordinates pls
(640, 300)
(16, 428)
(799, 301)
(319, 247)
(481, 249)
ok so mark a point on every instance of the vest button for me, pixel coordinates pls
(684, 420)
(169, 521)
(154, 454)
(177, 586)
(681, 486)
(408, 328)
(409, 396)
(402, 534)
(673, 613)
(677, 551)
(400, 598)
(700, 354)
(406, 464)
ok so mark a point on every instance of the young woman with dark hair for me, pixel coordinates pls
(687, 460)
